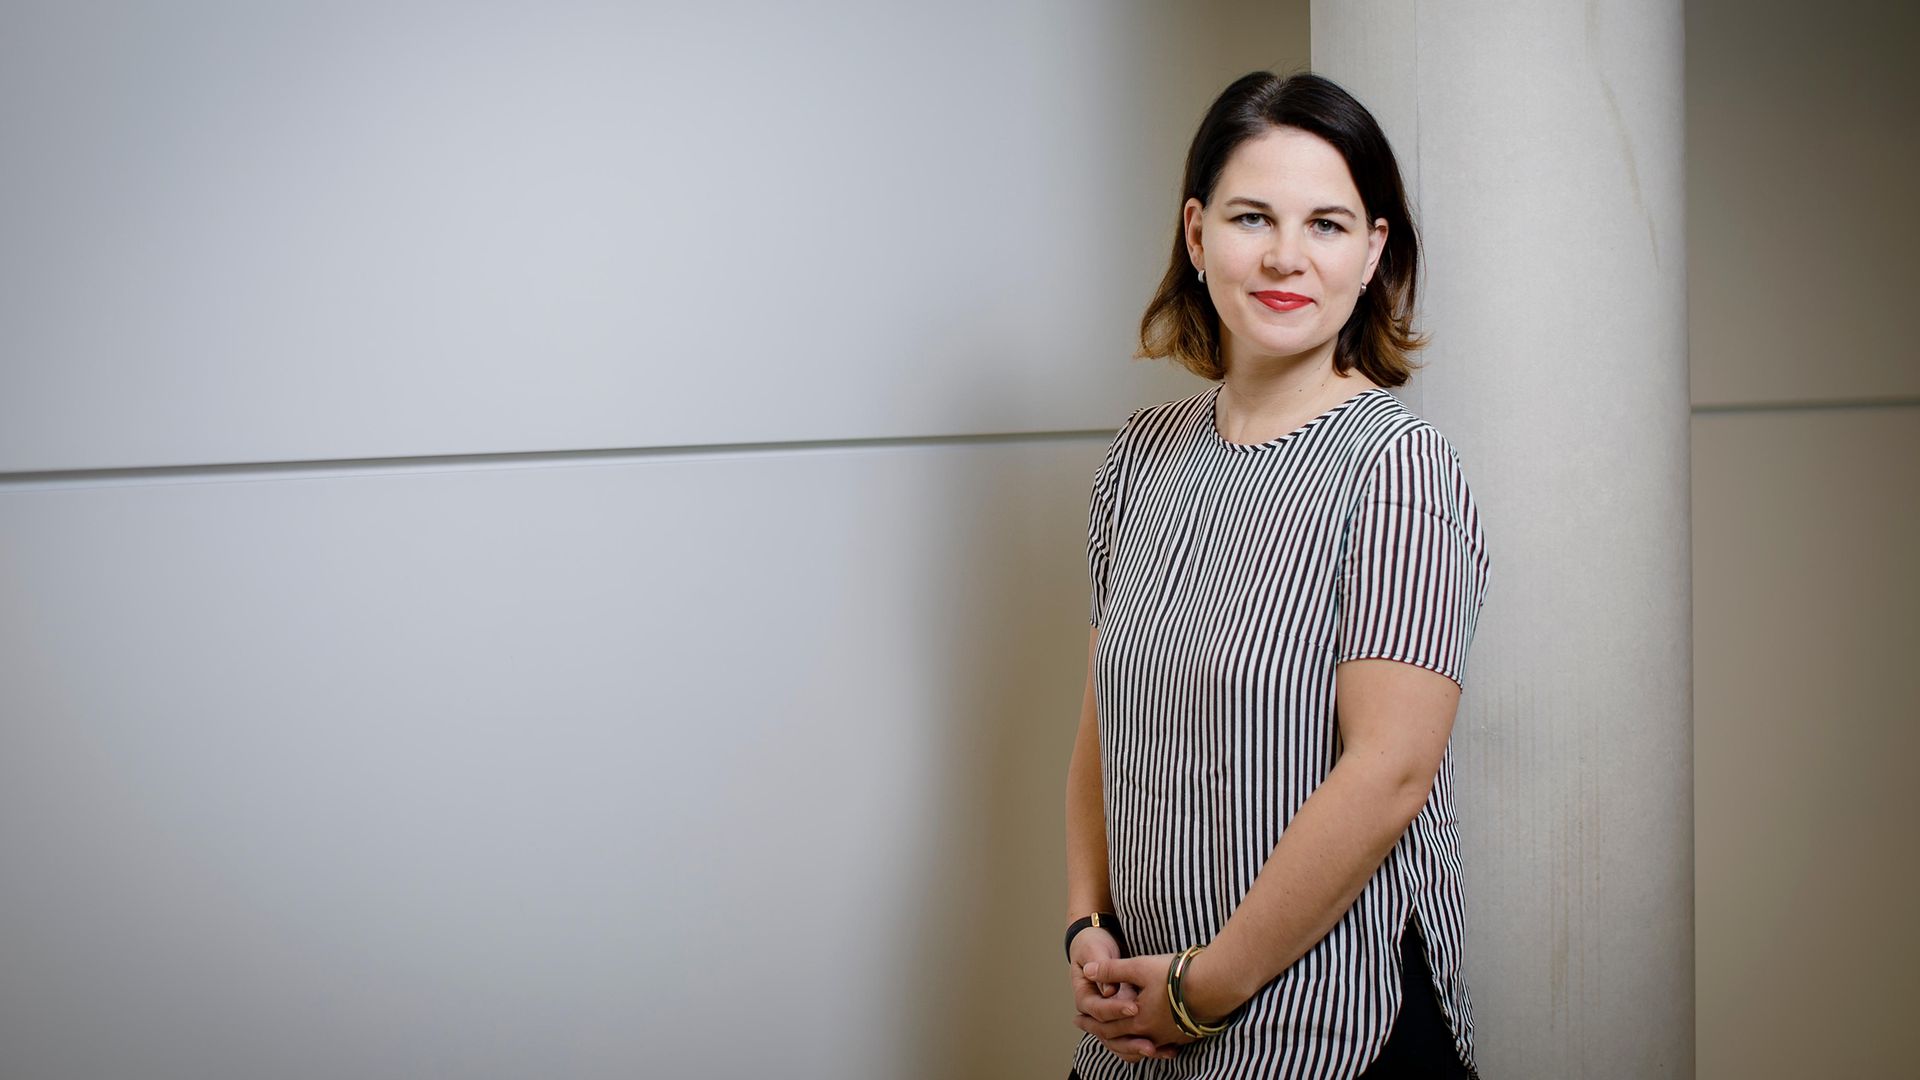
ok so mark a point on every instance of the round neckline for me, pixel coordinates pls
(1213, 412)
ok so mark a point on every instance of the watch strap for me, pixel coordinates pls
(1105, 920)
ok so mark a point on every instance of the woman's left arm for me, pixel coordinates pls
(1395, 719)
(1412, 579)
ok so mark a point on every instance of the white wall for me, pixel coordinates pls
(547, 540)
(276, 232)
(585, 768)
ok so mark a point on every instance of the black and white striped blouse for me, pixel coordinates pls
(1228, 580)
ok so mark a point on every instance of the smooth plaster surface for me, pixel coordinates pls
(666, 766)
(1802, 137)
(291, 232)
(1808, 724)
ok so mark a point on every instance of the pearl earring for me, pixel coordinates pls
(1203, 277)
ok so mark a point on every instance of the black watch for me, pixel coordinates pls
(1105, 920)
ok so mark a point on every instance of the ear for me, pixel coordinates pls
(1376, 245)
(1190, 215)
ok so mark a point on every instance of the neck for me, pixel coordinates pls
(1262, 398)
(1270, 377)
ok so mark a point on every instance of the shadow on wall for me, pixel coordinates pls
(981, 984)
(979, 993)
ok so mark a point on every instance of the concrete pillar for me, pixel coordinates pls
(1543, 142)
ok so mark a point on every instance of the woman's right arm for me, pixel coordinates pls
(1087, 888)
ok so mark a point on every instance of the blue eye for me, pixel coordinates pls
(1257, 218)
(1335, 226)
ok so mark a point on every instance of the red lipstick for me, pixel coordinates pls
(1282, 301)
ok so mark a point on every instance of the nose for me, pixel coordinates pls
(1286, 254)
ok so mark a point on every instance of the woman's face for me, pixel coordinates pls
(1284, 246)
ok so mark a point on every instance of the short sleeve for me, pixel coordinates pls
(1415, 570)
(1100, 512)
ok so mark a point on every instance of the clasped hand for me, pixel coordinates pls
(1123, 1000)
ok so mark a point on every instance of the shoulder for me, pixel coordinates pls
(1152, 428)
(1390, 438)
(1417, 471)
(1158, 422)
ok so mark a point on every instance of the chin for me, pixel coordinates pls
(1286, 347)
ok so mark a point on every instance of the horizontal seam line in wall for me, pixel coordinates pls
(1799, 406)
(320, 467)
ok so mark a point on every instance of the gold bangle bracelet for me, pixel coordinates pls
(1183, 1019)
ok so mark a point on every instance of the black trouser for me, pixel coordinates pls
(1420, 1044)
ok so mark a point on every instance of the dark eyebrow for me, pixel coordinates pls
(1318, 211)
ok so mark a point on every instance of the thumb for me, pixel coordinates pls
(1116, 970)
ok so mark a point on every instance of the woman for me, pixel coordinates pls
(1287, 568)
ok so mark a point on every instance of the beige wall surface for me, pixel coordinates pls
(1807, 715)
(1803, 142)
(1803, 147)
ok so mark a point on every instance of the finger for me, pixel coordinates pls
(1123, 971)
(1082, 984)
(1105, 1009)
(1106, 989)
(1085, 992)
(1124, 1027)
(1131, 1048)
(1165, 1040)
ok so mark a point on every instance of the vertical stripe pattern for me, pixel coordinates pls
(1227, 581)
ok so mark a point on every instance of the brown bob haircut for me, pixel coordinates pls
(1378, 338)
